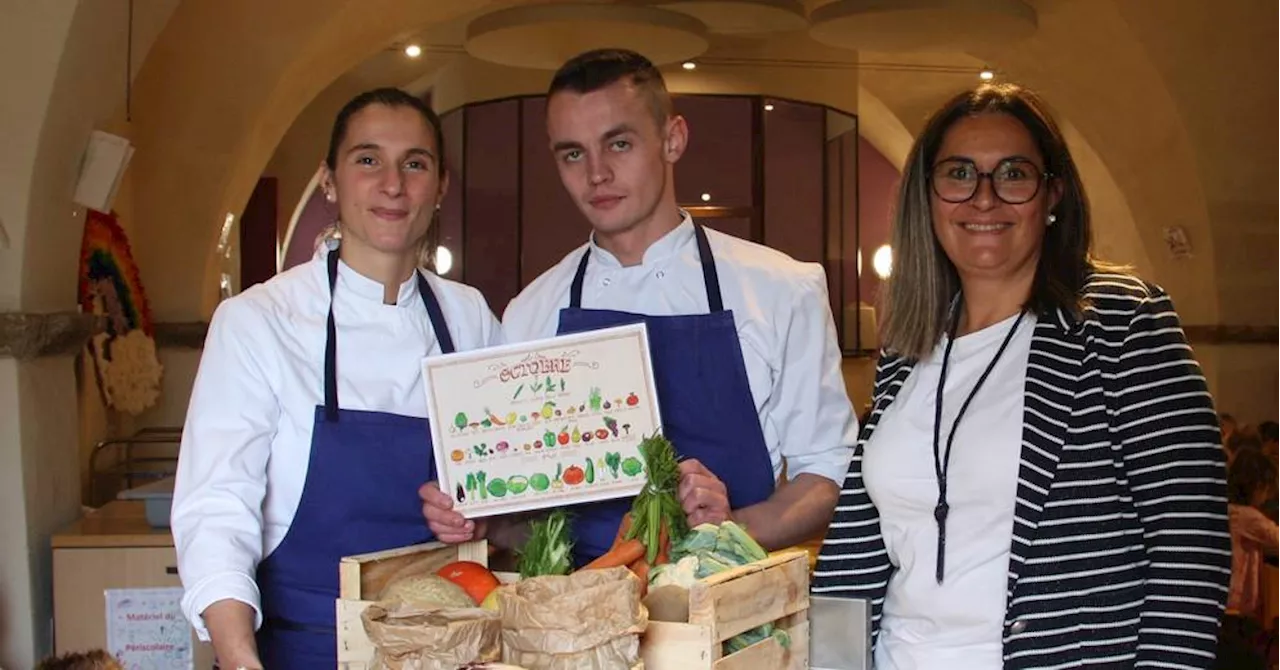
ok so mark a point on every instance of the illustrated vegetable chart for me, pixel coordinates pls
(539, 424)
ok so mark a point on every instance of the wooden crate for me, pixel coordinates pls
(774, 590)
(361, 579)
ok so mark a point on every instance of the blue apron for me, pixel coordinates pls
(707, 409)
(360, 495)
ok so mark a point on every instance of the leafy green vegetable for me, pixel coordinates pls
(614, 460)
(549, 548)
(657, 503)
(517, 484)
(480, 484)
(632, 466)
(540, 482)
(497, 488)
(460, 420)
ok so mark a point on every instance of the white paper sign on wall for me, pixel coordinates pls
(146, 629)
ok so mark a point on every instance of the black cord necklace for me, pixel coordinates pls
(942, 460)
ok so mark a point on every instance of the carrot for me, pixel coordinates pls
(664, 546)
(622, 530)
(641, 569)
(622, 554)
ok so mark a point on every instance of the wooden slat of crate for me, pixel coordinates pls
(740, 599)
(775, 590)
(361, 579)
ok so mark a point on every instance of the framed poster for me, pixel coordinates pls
(542, 424)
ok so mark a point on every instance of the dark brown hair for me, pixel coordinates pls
(390, 97)
(92, 660)
(924, 281)
(593, 70)
(1250, 471)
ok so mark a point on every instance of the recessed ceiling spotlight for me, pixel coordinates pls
(413, 51)
(768, 106)
(689, 65)
(986, 75)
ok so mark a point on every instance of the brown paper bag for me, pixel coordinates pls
(589, 620)
(418, 637)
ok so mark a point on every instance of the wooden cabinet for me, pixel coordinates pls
(113, 548)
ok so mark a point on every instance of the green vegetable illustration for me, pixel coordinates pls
(549, 438)
(471, 485)
(595, 399)
(480, 484)
(486, 423)
(562, 384)
(631, 466)
(497, 488)
(517, 484)
(614, 460)
(517, 393)
(591, 472)
(540, 482)
(460, 420)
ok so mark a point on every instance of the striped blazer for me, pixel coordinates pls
(1121, 556)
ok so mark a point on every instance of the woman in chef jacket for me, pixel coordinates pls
(305, 439)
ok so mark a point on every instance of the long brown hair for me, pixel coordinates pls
(918, 294)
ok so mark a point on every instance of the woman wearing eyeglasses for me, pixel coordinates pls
(1039, 483)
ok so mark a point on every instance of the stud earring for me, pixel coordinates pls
(1053, 218)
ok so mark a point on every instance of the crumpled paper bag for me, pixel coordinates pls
(421, 637)
(589, 620)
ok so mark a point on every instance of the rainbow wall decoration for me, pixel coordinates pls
(109, 281)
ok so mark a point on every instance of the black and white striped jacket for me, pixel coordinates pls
(1121, 556)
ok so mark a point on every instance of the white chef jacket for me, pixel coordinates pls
(784, 323)
(247, 441)
(960, 623)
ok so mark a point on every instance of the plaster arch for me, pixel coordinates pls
(880, 126)
(205, 137)
(1121, 106)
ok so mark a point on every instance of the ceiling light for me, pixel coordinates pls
(444, 260)
(706, 197)
(768, 107)
(689, 65)
(986, 75)
(413, 51)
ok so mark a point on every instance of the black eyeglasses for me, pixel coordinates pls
(1014, 180)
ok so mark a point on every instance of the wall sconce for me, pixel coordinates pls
(443, 260)
(882, 261)
(706, 197)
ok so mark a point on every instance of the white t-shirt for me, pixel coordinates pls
(247, 440)
(782, 313)
(959, 624)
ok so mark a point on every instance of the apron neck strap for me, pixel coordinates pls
(710, 278)
(434, 313)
